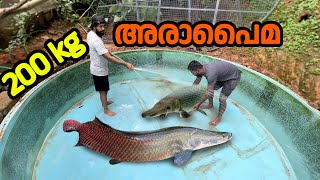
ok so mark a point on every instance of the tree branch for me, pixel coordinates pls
(23, 5)
(87, 9)
(4, 11)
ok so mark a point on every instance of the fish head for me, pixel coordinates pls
(71, 125)
(164, 106)
(202, 138)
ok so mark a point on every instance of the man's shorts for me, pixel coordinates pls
(227, 86)
(101, 83)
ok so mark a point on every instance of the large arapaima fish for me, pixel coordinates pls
(123, 146)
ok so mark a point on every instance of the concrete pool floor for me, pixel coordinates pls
(252, 153)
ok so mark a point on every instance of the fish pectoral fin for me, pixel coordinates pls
(184, 114)
(114, 161)
(202, 111)
(163, 115)
(182, 157)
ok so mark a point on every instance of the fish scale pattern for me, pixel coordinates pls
(189, 96)
(124, 146)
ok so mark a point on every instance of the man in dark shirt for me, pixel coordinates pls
(218, 74)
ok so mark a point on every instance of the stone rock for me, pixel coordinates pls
(4, 102)
(52, 32)
(45, 37)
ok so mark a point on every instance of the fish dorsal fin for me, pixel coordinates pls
(182, 157)
(150, 132)
(98, 121)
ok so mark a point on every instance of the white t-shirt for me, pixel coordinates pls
(98, 64)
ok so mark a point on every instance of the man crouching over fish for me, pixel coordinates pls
(218, 74)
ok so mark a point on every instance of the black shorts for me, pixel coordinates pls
(227, 86)
(101, 83)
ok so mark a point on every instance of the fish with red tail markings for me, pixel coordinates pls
(122, 146)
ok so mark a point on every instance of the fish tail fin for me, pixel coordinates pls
(201, 111)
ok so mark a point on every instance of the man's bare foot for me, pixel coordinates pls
(206, 106)
(216, 121)
(109, 102)
(109, 112)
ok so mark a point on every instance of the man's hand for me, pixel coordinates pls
(196, 106)
(209, 106)
(197, 81)
(129, 66)
(110, 58)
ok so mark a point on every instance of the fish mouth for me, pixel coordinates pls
(148, 115)
(224, 137)
(227, 135)
(205, 139)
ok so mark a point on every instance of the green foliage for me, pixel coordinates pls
(119, 13)
(67, 12)
(312, 62)
(86, 2)
(20, 38)
(317, 71)
(300, 21)
(147, 14)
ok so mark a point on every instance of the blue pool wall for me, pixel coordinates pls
(292, 122)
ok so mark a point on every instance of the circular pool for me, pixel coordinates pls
(275, 134)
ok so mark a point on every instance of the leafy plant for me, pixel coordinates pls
(317, 71)
(66, 11)
(20, 38)
(300, 21)
(121, 10)
(311, 62)
(147, 13)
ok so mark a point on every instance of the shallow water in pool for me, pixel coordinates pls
(252, 153)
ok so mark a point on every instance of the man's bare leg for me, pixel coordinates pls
(103, 98)
(210, 105)
(222, 108)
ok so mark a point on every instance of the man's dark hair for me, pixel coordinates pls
(194, 65)
(96, 20)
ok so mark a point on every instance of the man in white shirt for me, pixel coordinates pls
(99, 57)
